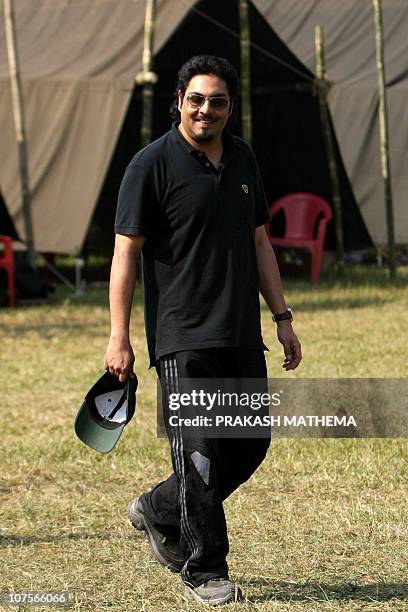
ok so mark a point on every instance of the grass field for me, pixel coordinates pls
(323, 524)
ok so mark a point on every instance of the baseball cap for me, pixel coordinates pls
(108, 406)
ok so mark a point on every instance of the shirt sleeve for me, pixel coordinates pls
(137, 202)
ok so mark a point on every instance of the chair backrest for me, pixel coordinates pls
(301, 210)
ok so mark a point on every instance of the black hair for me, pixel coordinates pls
(205, 64)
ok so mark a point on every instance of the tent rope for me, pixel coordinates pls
(265, 52)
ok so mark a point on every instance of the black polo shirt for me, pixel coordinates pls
(200, 272)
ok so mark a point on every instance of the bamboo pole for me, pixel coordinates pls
(146, 77)
(18, 112)
(322, 89)
(245, 70)
(384, 142)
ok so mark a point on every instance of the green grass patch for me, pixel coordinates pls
(322, 525)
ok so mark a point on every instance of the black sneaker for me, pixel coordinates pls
(166, 550)
(214, 592)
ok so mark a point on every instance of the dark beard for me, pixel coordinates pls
(203, 137)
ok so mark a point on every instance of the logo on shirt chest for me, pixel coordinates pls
(245, 188)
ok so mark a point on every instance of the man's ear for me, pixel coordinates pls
(180, 100)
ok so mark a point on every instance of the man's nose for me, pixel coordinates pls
(206, 106)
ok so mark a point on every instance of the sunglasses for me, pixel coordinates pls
(218, 103)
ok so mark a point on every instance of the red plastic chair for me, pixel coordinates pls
(302, 211)
(7, 262)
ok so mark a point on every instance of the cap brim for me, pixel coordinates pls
(94, 435)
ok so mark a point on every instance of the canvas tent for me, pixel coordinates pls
(79, 59)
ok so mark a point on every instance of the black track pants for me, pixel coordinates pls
(188, 505)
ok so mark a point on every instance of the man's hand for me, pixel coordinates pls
(119, 358)
(291, 345)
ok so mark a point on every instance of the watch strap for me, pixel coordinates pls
(283, 316)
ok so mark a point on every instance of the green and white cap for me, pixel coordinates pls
(108, 406)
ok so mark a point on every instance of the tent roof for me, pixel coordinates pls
(70, 40)
(350, 36)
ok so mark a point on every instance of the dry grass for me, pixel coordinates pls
(323, 525)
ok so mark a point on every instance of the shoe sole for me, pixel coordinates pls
(139, 522)
(230, 598)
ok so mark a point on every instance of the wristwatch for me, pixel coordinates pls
(283, 316)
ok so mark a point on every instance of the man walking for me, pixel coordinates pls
(193, 203)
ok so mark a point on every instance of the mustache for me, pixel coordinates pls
(205, 118)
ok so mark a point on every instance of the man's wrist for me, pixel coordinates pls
(284, 323)
(120, 337)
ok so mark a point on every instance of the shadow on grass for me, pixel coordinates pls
(321, 592)
(25, 540)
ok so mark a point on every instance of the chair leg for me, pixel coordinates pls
(11, 286)
(12, 292)
(317, 256)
